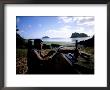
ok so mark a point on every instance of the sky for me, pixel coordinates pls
(31, 27)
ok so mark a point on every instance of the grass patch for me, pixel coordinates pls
(87, 63)
(89, 50)
(60, 43)
(21, 53)
(21, 61)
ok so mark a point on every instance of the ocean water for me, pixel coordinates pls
(62, 40)
(69, 40)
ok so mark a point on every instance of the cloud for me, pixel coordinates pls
(29, 26)
(88, 31)
(84, 24)
(79, 29)
(40, 25)
(18, 20)
(77, 20)
(20, 31)
(87, 19)
(64, 19)
(63, 32)
(84, 20)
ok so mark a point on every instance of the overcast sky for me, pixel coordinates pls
(54, 26)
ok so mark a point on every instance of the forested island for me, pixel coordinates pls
(45, 37)
(75, 35)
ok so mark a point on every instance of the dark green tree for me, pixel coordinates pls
(20, 42)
